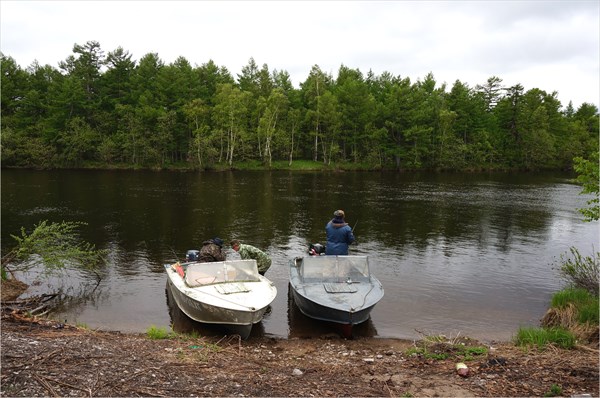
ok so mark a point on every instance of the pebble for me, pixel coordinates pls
(297, 372)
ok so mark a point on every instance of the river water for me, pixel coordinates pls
(458, 254)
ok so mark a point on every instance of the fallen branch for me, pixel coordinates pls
(582, 347)
(46, 385)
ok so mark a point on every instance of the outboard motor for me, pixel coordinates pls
(192, 255)
(316, 249)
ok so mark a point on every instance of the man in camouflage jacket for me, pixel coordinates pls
(248, 252)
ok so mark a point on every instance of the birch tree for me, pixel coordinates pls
(231, 105)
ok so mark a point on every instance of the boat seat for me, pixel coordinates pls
(339, 288)
(231, 288)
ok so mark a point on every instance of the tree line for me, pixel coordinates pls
(107, 110)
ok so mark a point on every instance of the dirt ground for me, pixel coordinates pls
(44, 358)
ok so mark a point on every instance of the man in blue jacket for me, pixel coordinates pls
(339, 235)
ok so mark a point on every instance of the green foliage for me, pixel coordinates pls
(440, 348)
(470, 353)
(584, 303)
(155, 333)
(589, 177)
(54, 245)
(110, 111)
(570, 296)
(541, 337)
(581, 271)
(588, 312)
(555, 391)
(82, 325)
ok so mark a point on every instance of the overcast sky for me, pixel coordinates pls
(545, 44)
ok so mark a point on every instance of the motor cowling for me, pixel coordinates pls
(316, 249)
(192, 255)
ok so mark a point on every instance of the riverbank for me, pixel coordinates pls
(296, 165)
(41, 357)
(45, 358)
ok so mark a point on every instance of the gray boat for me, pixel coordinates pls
(229, 293)
(336, 289)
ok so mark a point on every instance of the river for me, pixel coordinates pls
(458, 254)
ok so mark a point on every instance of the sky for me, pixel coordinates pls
(552, 45)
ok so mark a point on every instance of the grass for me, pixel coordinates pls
(155, 333)
(440, 348)
(572, 317)
(199, 350)
(555, 391)
(541, 337)
(574, 311)
(588, 313)
(583, 302)
(82, 325)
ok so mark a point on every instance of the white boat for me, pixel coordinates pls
(336, 289)
(230, 293)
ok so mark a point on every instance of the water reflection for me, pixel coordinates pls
(464, 252)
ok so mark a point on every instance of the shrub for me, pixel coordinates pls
(588, 177)
(56, 245)
(580, 271)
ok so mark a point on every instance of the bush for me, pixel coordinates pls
(587, 170)
(56, 245)
(581, 272)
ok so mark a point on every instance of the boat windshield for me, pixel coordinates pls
(335, 269)
(200, 274)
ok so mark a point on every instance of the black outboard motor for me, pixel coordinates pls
(316, 249)
(192, 255)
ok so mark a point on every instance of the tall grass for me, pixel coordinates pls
(541, 337)
(583, 302)
(588, 313)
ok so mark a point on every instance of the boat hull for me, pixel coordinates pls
(322, 312)
(237, 313)
(340, 300)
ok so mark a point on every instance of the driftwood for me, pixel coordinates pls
(31, 305)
